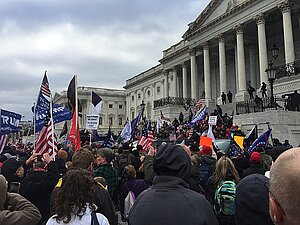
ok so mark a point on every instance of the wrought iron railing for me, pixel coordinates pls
(264, 104)
(287, 70)
(173, 101)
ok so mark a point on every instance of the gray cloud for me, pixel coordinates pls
(104, 42)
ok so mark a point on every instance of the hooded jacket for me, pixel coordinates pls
(252, 201)
(14, 209)
(169, 201)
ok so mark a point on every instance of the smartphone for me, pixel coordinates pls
(39, 158)
(14, 187)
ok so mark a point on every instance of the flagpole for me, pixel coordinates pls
(76, 104)
(52, 125)
(34, 115)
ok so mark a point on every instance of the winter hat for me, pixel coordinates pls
(106, 153)
(172, 160)
(252, 201)
(9, 168)
(255, 157)
(206, 150)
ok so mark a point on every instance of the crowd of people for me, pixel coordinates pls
(173, 182)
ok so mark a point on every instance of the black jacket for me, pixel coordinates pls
(169, 201)
(37, 188)
(255, 168)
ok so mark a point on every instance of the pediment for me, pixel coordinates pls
(213, 10)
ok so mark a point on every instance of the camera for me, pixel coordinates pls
(39, 158)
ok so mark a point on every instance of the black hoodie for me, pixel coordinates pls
(169, 201)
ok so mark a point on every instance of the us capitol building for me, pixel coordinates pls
(230, 45)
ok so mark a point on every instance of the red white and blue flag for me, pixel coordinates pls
(147, 138)
(3, 142)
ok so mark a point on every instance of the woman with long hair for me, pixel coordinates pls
(224, 182)
(73, 204)
(136, 186)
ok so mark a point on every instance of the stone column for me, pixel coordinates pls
(193, 74)
(240, 57)
(207, 83)
(175, 88)
(184, 81)
(262, 47)
(222, 64)
(154, 91)
(252, 60)
(285, 8)
(166, 88)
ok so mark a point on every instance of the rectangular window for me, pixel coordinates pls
(158, 90)
(139, 96)
(120, 122)
(132, 97)
(100, 121)
(110, 106)
(110, 121)
(120, 106)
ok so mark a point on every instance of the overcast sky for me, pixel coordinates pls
(104, 42)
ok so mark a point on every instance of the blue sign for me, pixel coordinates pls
(9, 122)
(60, 113)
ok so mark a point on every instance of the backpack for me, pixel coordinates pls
(128, 203)
(225, 197)
(204, 174)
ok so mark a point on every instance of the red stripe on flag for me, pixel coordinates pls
(45, 141)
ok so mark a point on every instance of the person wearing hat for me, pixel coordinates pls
(256, 165)
(206, 166)
(105, 169)
(15, 209)
(252, 201)
(169, 200)
(12, 170)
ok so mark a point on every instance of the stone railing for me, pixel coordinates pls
(173, 101)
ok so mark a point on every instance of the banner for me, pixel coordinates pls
(60, 113)
(212, 120)
(9, 122)
(92, 122)
(207, 141)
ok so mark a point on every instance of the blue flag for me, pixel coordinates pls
(9, 122)
(135, 123)
(262, 141)
(199, 116)
(109, 140)
(96, 136)
(60, 114)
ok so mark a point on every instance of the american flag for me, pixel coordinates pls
(3, 142)
(147, 138)
(46, 141)
(45, 90)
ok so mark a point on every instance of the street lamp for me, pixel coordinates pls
(271, 71)
(274, 51)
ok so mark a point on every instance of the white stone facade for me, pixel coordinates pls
(226, 48)
(113, 111)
